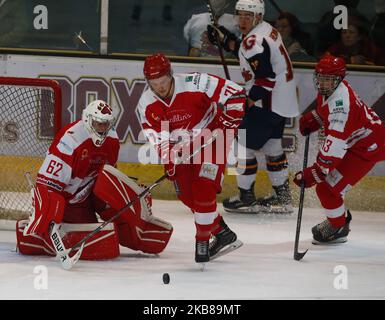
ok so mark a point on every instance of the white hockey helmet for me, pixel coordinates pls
(255, 6)
(98, 119)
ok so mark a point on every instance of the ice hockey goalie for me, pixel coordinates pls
(78, 185)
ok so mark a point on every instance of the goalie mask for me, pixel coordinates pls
(98, 119)
(328, 74)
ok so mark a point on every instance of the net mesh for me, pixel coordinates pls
(26, 132)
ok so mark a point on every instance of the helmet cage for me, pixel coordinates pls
(319, 78)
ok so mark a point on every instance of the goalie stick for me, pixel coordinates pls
(299, 255)
(68, 263)
(214, 21)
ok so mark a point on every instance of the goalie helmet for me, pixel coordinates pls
(254, 6)
(156, 66)
(328, 74)
(98, 119)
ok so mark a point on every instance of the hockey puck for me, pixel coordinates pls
(166, 278)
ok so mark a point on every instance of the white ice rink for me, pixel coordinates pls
(262, 269)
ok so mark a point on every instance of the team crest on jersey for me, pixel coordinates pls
(246, 75)
(84, 154)
(249, 42)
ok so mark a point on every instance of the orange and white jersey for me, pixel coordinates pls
(73, 161)
(265, 63)
(190, 108)
(349, 125)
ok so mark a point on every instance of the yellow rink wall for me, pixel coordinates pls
(367, 195)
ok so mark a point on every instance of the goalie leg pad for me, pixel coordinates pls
(32, 244)
(103, 245)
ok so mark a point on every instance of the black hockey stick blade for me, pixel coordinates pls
(299, 255)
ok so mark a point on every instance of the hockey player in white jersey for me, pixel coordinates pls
(269, 80)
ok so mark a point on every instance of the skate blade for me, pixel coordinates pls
(337, 241)
(246, 210)
(231, 247)
(276, 210)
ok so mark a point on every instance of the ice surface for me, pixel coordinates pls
(262, 269)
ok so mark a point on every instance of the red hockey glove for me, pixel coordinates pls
(225, 120)
(309, 122)
(310, 176)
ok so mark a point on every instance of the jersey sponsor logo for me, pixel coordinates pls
(339, 103)
(175, 118)
(189, 78)
(64, 147)
(209, 171)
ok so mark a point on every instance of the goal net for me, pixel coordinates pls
(29, 118)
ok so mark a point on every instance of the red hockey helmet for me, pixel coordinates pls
(156, 66)
(331, 65)
(328, 74)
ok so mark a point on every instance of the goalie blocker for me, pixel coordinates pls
(135, 228)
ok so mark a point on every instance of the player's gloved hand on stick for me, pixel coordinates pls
(224, 119)
(220, 34)
(310, 176)
(309, 122)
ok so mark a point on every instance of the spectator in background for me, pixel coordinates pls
(13, 22)
(355, 47)
(296, 41)
(195, 31)
(326, 33)
(377, 31)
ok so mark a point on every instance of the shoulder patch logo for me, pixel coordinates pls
(339, 103)
(189, 78)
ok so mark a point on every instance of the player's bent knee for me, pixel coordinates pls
(328, 197)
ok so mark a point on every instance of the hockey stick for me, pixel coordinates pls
(214, 21)
(299, 255)
(81, 243)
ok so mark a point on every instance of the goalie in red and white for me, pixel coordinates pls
(77, 182)
(193, 107)
(354, 143)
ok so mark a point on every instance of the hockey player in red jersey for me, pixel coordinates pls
(193, 103)
(354, 143)
(270, 86)
(74, 183)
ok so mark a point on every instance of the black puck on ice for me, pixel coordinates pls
(166, 278)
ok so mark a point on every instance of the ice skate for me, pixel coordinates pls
(280, 202)
(202, 251)
(243, 202)
(325, 233)
(223, 242)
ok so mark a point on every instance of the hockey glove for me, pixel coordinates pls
(309, 122)
(222, 35)
(310, 176)
(225, 120)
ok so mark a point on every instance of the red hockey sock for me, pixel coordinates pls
(338, 222)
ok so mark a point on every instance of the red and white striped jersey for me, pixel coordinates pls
(73, 161)
(190, 108)
(349, 125)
